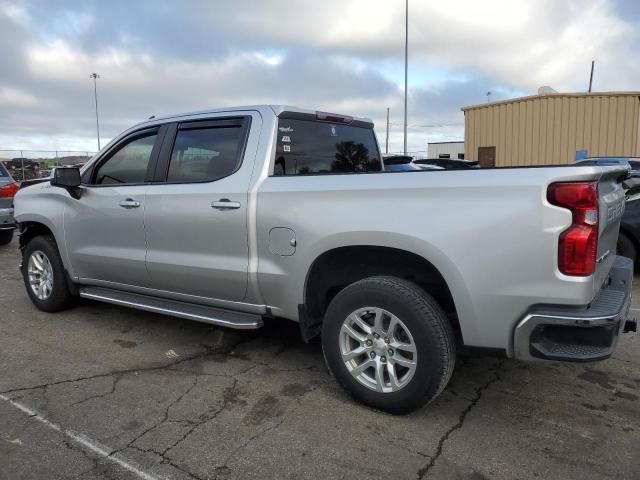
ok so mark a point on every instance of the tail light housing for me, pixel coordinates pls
(9, 190)
(578, 244)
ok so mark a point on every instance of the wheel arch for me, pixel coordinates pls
(32, 227)
(338, 267)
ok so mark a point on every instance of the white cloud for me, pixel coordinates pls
(11, 97)
(14, 12)
(523, 43)
(335, 55)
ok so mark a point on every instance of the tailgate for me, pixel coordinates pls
(611, 206)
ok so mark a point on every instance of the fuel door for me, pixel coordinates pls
(282, 241)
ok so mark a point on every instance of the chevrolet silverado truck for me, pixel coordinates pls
(238, 215)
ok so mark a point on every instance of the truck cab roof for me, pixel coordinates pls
(276, 110)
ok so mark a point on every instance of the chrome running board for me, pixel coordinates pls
(190, 311)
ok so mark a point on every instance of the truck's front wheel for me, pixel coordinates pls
(388, 343)
(44, 275)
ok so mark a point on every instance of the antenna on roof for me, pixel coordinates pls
(546, 90)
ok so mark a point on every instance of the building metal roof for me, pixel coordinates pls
(556, 95)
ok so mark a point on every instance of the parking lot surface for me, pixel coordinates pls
(102, 392)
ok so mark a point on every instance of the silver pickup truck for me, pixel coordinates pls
(238, 215)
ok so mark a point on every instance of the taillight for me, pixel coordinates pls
(578, 244)
(9, 190)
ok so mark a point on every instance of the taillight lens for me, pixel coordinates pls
(578, 244)
(9, 190)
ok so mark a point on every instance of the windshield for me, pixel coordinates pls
(3, 171)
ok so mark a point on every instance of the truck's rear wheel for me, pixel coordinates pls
(388, 343)
(44, 275)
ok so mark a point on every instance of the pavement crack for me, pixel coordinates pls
(157, 424)
(209, 351)
(225, 468)
(116, 379)
(179, 468)
(227, 400)
(424, 471)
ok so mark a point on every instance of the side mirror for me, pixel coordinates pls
(69, 179)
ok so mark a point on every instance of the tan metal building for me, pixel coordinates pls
(552, 129)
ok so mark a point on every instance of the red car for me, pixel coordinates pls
(8, 188)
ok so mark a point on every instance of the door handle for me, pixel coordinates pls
(225, 204)
(129, 203)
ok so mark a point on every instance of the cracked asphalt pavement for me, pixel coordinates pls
(103, 392)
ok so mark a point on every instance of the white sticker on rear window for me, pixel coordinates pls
(286, 139)
(287, 148)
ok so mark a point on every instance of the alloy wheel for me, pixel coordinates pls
(378, 349)
(40, 274)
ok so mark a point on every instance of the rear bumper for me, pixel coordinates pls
(7, 222)
(578, 334)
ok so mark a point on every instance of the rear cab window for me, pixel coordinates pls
(306, 147)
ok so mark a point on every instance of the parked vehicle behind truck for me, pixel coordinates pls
(8, 188)
(235, 215)
(629, 237)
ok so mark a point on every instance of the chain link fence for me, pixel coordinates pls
(30, 164)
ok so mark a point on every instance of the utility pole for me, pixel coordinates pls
(591, 76)
(488, 97)
(95, 77)
(386, 143)
(406, 68)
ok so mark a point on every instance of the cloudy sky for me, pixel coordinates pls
(159, 57)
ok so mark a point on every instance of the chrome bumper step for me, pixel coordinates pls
(575, 334)
(190, 311)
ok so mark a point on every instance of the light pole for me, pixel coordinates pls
(386, 143)
(406, 67)
(95, 77)
(488, 97)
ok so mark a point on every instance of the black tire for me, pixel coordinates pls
(61, 297)
(6, 236)
(626, 247)
(432, 333)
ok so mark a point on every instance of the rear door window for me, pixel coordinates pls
(206, 151)
(312, 147)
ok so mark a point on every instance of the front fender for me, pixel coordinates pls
(45, 205)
